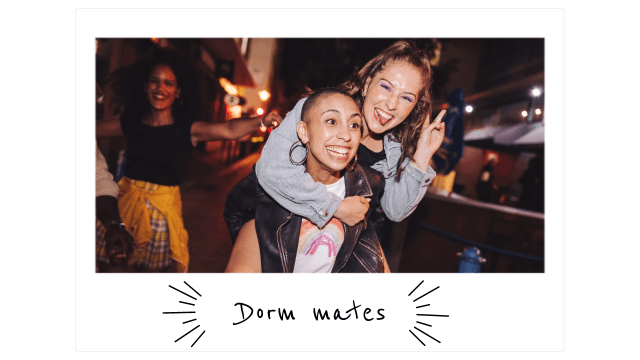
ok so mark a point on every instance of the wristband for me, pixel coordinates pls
(117, 223)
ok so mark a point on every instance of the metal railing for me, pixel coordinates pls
(471, 260)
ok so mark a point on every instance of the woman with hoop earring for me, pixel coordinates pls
(269, 238)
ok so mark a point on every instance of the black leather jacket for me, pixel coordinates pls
(279, 230)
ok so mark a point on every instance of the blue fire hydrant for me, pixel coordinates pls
(470, 260)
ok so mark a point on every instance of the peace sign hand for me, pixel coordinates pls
(431, 138)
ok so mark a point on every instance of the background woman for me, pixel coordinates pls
(392, 91)
(160, 106)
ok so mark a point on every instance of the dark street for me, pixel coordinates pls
(203, 193)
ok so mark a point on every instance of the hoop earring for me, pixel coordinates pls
(353, 163)
(295, 144)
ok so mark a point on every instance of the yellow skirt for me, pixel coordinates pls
(152, 214)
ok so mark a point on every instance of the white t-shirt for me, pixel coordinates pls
(317, 248)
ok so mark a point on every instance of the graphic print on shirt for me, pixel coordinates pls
(317, 248)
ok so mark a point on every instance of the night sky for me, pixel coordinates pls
(318, 63)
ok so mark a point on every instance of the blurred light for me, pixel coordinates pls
(228, 86)
(260, 111)
(263, 128)
(256, 139)
(234, 111)
(264, 95)
(538, 111)
(244, 46)
(469, 108)
(155, 40)
(524, 114)
(536, 92)
(433, 61)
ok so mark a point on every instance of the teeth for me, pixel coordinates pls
(338, 149)
(383, 114)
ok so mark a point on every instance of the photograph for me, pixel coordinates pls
(405, 155)
(416, 153)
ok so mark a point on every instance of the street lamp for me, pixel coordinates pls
(535, 92)
(228, 86)
(264, 95)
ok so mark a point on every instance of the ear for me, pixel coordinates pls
(302, 132)
(178, 93)
(366, 87)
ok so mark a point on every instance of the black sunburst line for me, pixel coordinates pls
(432, 290)
(418, 323)
(418, 307)
(182, 302)
(428, 335)
(178, 312)
(417, 337)
(180, 291)
(188, 321)
(432, 315)
(188, 332)
(416, 288)
(203, 331)
(190, 287)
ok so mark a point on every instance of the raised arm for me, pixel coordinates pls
(232, 129)
(402, 197)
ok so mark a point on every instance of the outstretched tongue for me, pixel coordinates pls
(382, 118)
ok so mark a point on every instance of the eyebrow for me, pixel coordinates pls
(337, 111)
(406, 92)
(332, 110)
(157, 78)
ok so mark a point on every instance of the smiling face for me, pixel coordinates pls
(331, 131)
(391, 95)
(162, 88)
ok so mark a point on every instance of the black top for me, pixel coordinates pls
(156, 154)
(367, 157)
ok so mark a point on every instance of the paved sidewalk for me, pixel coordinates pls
(204, 191)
